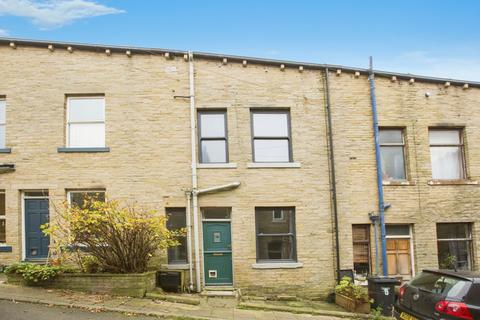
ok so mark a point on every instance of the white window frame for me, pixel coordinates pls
(409, 236)
(4, 218)
(69, 192)
(3, 144)
(68, 122)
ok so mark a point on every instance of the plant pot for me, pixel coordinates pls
(352, 304)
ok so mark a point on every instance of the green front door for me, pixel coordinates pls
(217, 246)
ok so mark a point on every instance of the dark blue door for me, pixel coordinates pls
(36, 242)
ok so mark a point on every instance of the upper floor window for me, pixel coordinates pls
(85, 122)
(213, 146)
(3, 231)
(3, 111)
(446, 152)
(392, 149)
(177, 220)
(82, 198)
(271, 136)
(275, 234)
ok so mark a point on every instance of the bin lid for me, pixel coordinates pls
(383, 280)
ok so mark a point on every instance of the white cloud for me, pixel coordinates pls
(427, 63)
(48, 14)
(4, 33)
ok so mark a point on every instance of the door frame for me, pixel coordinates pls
(203, 248)
(411, 242)
(24, 197)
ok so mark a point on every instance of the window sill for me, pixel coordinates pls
(398, 183)
(5, 150)
(217, 165)
(252, 165)
(82, 150)
(5, 248)
(452, 182)
(277, 265)
(180, 266)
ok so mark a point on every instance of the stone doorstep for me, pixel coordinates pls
(297, 310)
(173, 298)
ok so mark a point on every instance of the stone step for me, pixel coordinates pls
(219, 288)
(219, 294)
(172, 298)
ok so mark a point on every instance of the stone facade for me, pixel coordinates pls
(148, 133)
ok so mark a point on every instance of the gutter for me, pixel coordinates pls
(332, 171)
(237, 58)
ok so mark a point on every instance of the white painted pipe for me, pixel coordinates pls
(194, 170)
(219, 188)
(189, 239)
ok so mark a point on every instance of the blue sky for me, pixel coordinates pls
(429, 37)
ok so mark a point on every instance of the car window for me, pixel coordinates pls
(441, 284)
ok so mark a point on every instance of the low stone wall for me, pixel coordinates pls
(133, 285)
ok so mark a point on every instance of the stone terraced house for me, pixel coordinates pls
(242, 152)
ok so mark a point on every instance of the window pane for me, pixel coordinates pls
(3, 236)
(177, 219)
(214, 151)
(271, 150)
(2, 111)
(387, 136)
(446, 162)
(87, 135)
(212, 125)
(453, 231)
(85, 109)
(398, 230)
(268, 224)
(216, 213)
(275, 248)
(2, 204)
(393, 167)
(454, 254)
(270, 124)
(444, 136)
(80, 199)
(2, 136)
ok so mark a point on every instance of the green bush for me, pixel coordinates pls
(347, 288)
(35, 273)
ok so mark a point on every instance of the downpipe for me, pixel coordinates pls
(381, 204)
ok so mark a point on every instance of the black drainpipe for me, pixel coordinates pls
(332, 172)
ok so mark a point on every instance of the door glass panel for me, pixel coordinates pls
(397, 230)
(216, 213)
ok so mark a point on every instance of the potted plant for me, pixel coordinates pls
(352, 297)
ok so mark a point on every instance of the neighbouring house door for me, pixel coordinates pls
(36, 242)
(217, 245)
(398, 255)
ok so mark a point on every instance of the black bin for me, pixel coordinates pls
(382, 291)
(169, 280)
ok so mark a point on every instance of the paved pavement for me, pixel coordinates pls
(60, 305)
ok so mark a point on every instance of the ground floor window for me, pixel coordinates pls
(81, 198)
(454, 246)
(177, 219)
(275, 234)
(399, 255)
(361, 248)
(3, 229)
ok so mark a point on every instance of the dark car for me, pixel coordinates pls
(440, 294)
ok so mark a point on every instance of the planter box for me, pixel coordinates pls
(352, 305)
(133, 285)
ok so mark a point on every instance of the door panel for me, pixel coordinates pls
(398, 255)
(36, 242)
(217, 253)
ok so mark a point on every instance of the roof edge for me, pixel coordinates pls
(257, 60)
